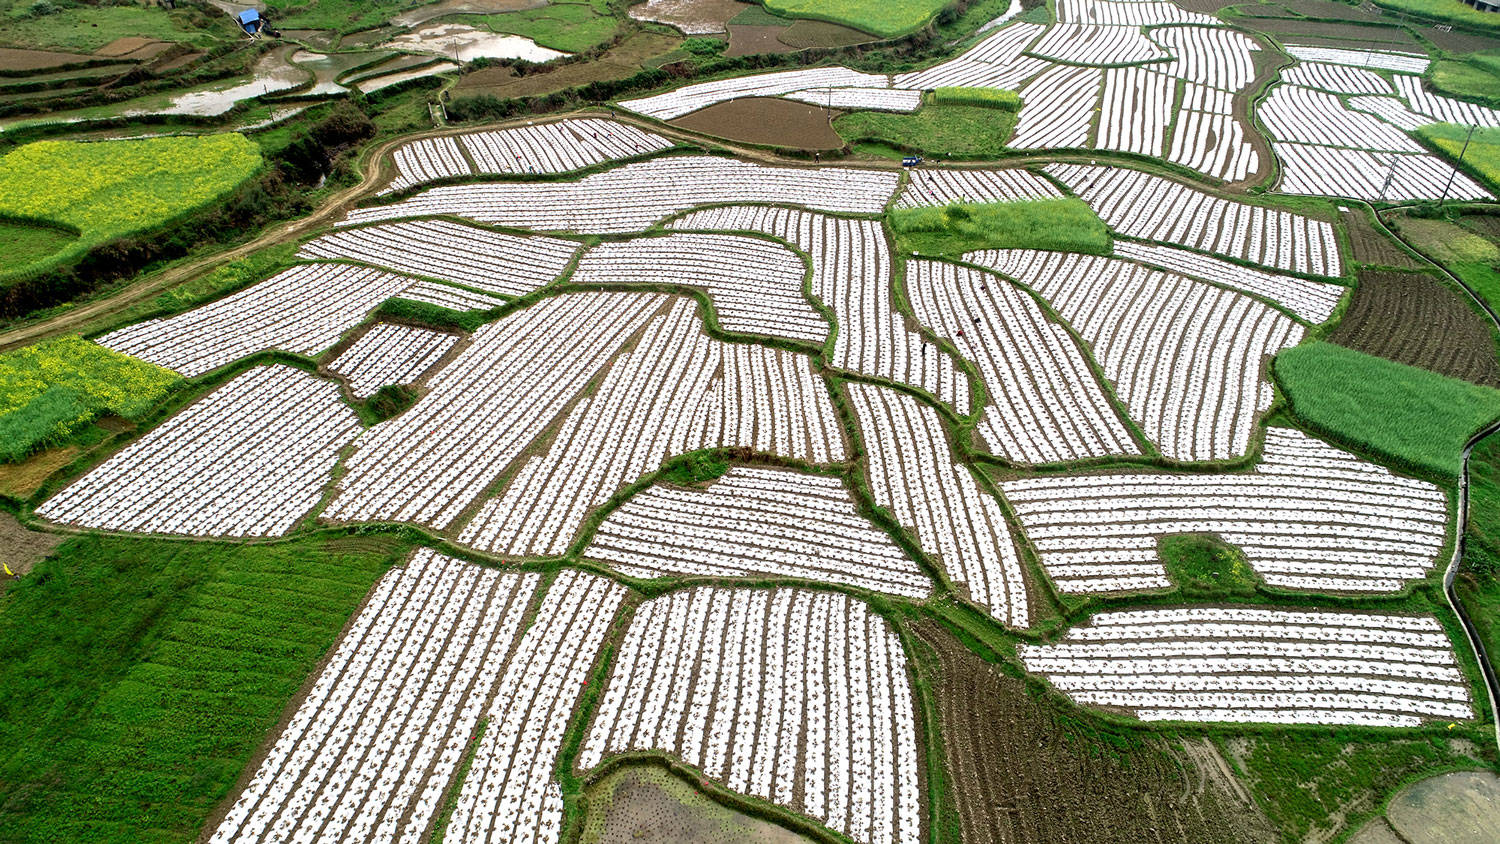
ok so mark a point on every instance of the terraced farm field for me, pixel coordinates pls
(690, 494)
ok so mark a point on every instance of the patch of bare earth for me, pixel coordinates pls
(767, 121)
(1372, 246)
(1023, 770)
(16, 59)
(1412, 318)
(755, 40)
(21, 480)
(646, 804)
(21, 548)
(692, 17)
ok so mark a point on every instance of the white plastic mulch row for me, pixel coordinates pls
(1046, 405)
(689, 98)
(505, 264)
(677, 391)
(755, 285)
(1254, 665)
(799, 698)
(1136, 13)
(633, 196)
(1313, 301)
(390, 354)
(1309, 516)
(955, 521)
(853, 274)
(373, 748)
(1185, 357)
(1327, 171)
(557, 147)
(249, 459)
(1151, 207)
(933, 186)
(756, 522)
(1370, 59)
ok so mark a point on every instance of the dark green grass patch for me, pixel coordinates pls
(1418, 418)
(885, 18)
(1202, 565)
(935, 131)
(951, 230)
(390, 401)
(1478, 582)
(140, 675)
(21, 244)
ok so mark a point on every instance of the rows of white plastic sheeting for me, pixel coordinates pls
(249, 459)
(631, 197)
(302, 310)
(756, 522)
(960, 525)
(376, 743)
(755, 285)
(677, 391)
(1309, 516)
(507, 264)
(1186, 358)
(799, 698)
(485, 407)
(1243, 664)
(854, 275)
(554, 147)
(390, 354)
(510, 793)
(933, 186)
(1046, 405)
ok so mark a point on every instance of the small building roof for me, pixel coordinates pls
(249, 16)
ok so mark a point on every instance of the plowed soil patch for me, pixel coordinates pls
(1023, 771)
(754, 40)
(762, 120)
(14, 59)
(1372, 246)
(1414, 319)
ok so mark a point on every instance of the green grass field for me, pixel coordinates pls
(340, 15)
(140, 675)
(950, 231)
(1450, 11)
(984, 97)
(49, 390)
(84, 29)
(1417, 417)
(1465, 78)
(1482, 156)
(935, 131)
(568, 26)
(1205, 566)
(885, 18)
(110, 189)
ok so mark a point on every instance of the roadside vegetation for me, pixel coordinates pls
(1413, 416)
(951, 230)
(936, 131)
(140, 675)
(52, 389)
(110, 189)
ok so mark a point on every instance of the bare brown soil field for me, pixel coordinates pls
(178, 63)
(762, 120)
(1412, 318)
(1372, 246)
(693, 17)
(1207, 7)
(753, 40)
(1459, 42)
(20, 480)
(1267, 64)
(1304, 30)
(14, 59)
(646, 804)
(805, 34)
(1448, 809)
(20, 548)
(1022, 772)
(1267, 10)
(1333, 10)
(121, 47)
(623, 60)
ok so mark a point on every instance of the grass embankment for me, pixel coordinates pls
(140, 675)
(111, 189)
(882, 17)
(935, 131)
(50, 390)
(1481, 157)
(1416, 417)
(951, 230)
(1478, 583)
(1448, 11)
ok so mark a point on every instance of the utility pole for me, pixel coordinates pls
(1454, 173)
(1390, 176)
